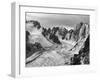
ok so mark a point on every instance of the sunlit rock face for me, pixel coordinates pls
(56, 46)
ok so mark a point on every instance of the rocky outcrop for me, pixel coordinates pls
(84, 56)
(34, 23)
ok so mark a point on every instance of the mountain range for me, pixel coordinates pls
(73, 40)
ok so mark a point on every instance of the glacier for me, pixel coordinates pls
(66, 49)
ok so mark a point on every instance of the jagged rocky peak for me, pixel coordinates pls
(80, 31)
(32, 24)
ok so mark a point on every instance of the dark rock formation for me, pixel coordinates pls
(83, 56)
(35, 23)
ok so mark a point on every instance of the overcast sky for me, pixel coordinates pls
(57, 19)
